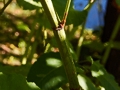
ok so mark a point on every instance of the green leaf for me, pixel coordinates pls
(14, 82)
(23, 26)
(3, 82)
(76, 17)
(53, 80)
(118, 2)
(86, 83)
(59, 6)
(47, 72)
(106, 80)
(33, 86)
(29, 4)
(94, 45)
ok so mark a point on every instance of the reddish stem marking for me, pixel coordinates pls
(62, 23)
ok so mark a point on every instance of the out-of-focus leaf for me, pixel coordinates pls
(106, 80)
(3, 82)
(33, 86)
(86, 83)
(47, 72)
(14, 82)
(29, 4)
(94, 45)
(59, 6)
(22, 26)
(118, 2)
(76, 17)
(79, 70)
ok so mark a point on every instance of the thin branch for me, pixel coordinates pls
(5, 6)
(108, 49)
(81, 38)
(66, 12)
(62, 23)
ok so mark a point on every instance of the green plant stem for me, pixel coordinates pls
(67, 59)
(80, 41)
(81, 38)
(108, 49)
(67, 6)
(91, 2)
(62, 45)
(66, 11)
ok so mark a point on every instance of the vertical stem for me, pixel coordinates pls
(27, 47)
(66, 11)
(32, 52)
(67, 6)
(62, 45)
(67, 59)
(80, 41)
(81, 38)
(115, 31)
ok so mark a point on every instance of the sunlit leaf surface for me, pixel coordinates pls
(106, 80)
(48, 72)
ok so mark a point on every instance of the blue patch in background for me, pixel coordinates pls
(95, 18)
